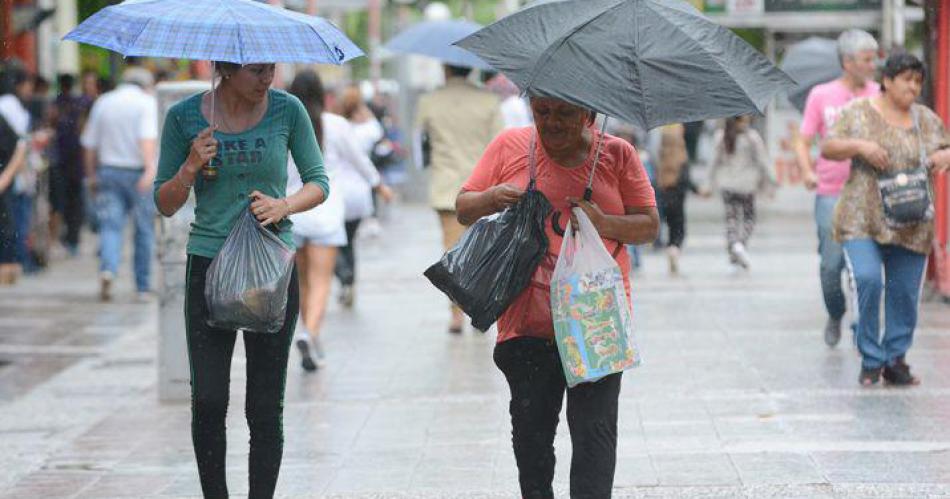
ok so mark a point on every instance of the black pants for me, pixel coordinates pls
(7, 228)
(674, 214)
(535, 377)
(209, 354)
(66, 198)
(345, 269)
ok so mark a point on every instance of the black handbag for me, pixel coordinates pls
(905, 194)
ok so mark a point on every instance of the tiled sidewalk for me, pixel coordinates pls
(738, 396)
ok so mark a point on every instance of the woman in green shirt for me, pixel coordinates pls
(256, 127)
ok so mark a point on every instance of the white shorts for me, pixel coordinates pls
(336, 238)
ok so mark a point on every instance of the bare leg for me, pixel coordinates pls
(303, 266)
(319, 274)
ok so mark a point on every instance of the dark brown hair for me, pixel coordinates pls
(730, 134)
(308, 87)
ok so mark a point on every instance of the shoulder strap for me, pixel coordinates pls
(533, 161)
(920, 138)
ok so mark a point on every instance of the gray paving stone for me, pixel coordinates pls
(737, 396)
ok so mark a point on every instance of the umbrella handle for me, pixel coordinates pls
(209, 171)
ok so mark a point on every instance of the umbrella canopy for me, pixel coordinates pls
(238, 31)
(647, 62)
(435, 38)
(810, 62)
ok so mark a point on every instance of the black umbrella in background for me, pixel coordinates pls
(810, 62)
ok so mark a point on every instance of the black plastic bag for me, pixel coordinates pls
(494, 260)
(246, 286)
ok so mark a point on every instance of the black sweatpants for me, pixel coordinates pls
(674, 214)
(209, 355)
(535, 377)
(345, 269)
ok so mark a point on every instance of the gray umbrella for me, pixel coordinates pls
(434, 39)
(810, 62)
(647, 62)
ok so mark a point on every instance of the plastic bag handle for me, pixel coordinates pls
(533, 162)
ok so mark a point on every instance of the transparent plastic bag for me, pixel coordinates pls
(593, 321)
(246, 285)
(494, 260)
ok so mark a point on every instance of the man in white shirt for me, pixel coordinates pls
(119, 145)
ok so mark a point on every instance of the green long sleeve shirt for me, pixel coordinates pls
(255, 159)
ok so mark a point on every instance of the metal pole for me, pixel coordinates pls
(900, 23)
(374, 7)
(887, 24)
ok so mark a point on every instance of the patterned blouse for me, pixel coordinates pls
(859, 214)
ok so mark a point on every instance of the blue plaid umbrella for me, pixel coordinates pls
(238, 31)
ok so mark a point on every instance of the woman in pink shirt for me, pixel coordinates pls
(623, 209)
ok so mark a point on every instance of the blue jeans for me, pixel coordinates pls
(903, 272)
(116, 198)
(832, 257)
(634, 252)
(23, 219)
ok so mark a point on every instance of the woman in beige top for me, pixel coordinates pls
(884, 134)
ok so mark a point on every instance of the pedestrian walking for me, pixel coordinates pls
(358, 180)
(256, 127)
(739, 171)
(12, 159)
(514, 107)
(460, 120)
(66, 172)
(319, 233)
(119, 142)
(16, 94)
(857, 51)
(674, 181)
(560, 149)
(890, 141)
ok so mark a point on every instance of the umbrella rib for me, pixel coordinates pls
(546, 56)
(637, 70)
(330, 52)
(745, 92)
(139, 35)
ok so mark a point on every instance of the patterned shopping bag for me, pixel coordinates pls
(593, 322)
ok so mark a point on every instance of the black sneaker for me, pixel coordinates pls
(899, 374)
(306, 360)
(869, 377)
(832, 332)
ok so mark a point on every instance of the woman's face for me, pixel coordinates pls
(90, 84)
(560, 124)
(905, 88)
(253, 80)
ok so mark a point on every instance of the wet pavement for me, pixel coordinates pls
(737, 397)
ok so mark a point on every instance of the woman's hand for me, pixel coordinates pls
(940, 161)
(874, 154)
(505, 195)
(203, 148)
(593, 212)
(385, 192)
(268, 210)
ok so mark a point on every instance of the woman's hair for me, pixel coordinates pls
(898, 63)
(351, 102)
(853, 41)
(309, 89)
(730, 133)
